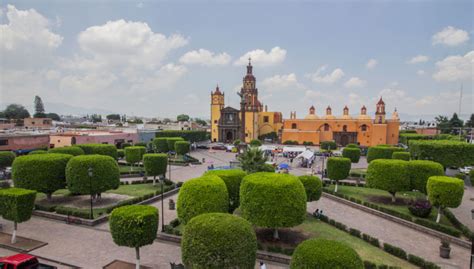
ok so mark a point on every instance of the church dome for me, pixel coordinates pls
(312, 114)
(329, 115)
(364, 117)
(345, 115)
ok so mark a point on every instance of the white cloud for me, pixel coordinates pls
(140, 5)
(262, 58)
(420, 72)
(87, 84)
(450, 36)
(355, 82)
(205, 58)
(371, 64)
(281, 82)
(455, 68)
(330, 78)
(418, 59)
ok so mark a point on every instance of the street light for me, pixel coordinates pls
(90, 173)
(162, 206)
(472, 243)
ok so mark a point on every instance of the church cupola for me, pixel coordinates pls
(345, 111)
(395, 115)
(217, 91)
(328, 111)
(312, 114)
(363, 110)
(311, 110)
(380, 112)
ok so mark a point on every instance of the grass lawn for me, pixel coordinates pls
(139, 189)
(319, 229)
(126, 169)
(365, 194)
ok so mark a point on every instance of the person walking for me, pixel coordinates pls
(262, 266)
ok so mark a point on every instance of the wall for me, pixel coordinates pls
(62, 140)
(26, 142)
(37, 123)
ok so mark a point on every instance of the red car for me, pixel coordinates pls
(22, 261)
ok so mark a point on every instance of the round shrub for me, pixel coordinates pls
(17, 204)
(181, 147)
(352, 145)
(100, 149)
(338, 168)
(313, 187)
(200, 195)
(419, 171)
(401, 155)
(105, 174)
(328, 145)
(41, 172)
(388, 175)
(381, 152)
(171, 141)
(232, 179)
(160, 144)
(219, 241)
(38, 151)
(155, 164)
(134, 154)
(322, 253)
(273, 200)
(445, 191)
(6, 158)
(71, 150)
(352, 153)
(255, 143)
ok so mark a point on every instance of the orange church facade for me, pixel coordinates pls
(361, 129)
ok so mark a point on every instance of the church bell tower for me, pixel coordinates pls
(217, 103)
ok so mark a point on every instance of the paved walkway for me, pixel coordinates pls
(463, 212)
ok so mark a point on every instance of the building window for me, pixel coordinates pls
(326, 127)
(293, 126)
(3, 142)
(344, 128)
(363, 128)
(215, 121)
(265, 119)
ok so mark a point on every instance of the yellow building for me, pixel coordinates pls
(344, 129)
(250, 122)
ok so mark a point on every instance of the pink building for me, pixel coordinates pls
(23, 142)
(92, 136)
(38, 123)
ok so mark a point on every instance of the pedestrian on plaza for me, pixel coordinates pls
(262, 266)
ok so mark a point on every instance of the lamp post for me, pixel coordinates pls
(472, 243)
(90, 173)
(162, 205)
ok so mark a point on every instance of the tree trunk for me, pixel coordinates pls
(335, 189)
(14, 233)
(438, 218)
(275, 234)
(137, 251)
(394, 199)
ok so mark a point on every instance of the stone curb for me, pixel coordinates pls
(420, 228)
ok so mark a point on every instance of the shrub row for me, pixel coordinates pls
(6, 158)
(381, 152)
(449, 153)
(71, 150)
(290, 142)
(101, 149)
(328, 145)
(452, 218)
(352, 153)
(188, 135)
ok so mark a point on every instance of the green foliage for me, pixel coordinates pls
(328, 145)
(445, 191)
(381, 152)
(134, 225)
(255, 143)
(120, 153)
(313, 187)
(272, 135)
(155, 164)
(200, 195)
(41, 172)
(15, 111)
(17, 204)
(273, 200)
(160, 144)
(252, 160)
(134, 154)
(322, 253)
(395, 251)
(6, 158)
(449, 153)
(101, 149)
(71, 150)
(352, 145)
(352, 153)
(404, 138)
(105, 170)
(188, 135)
(237, 142)
(182, 117)
(388, 175)
(338, 168)
(53, 116)
(113, 117)
(182, 147)
(232, 179)
(171, 141)
(219, 241)
(290, 142)
(308, 143)
(38, 151)
(419, 171)
(401, 155)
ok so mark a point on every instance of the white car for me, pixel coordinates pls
(465, 170)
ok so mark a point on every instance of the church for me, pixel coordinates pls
(251, 121)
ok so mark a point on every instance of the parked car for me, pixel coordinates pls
(465, 170)
(229, 148)
(219, 146)
(22, 261)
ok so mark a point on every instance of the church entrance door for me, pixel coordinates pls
(229, 137)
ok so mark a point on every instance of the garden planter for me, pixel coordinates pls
(444, 252)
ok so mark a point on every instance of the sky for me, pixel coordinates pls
(163, 58)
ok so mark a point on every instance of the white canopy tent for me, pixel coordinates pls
(308, 154)
(294, 149)
(267, 147)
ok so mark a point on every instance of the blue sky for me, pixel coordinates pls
(162, 58)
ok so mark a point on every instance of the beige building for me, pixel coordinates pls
(38, 123)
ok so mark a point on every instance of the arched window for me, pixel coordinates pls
(73, 140)
(326, 127)
(293, 126)
(344, 128)
(363, 128)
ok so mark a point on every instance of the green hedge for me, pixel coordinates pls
(120, 153)
(134, 225)
(445, 191)
(17, 204)
(101, 149)
(41, 172)
(206, 194)
(401, 155)
(155, 164)
(191, 136)
(38, 151)
(71, 150)
(106, 175)
(171, 141)
(395, 251)
(6, 158)
(322, 253)
(232, 179)
(338, 168)
(182, 147)
(404, 138)
(160, 144)
(449, 153)
(381, 152)
(352, 153)
(273, 200)
(331, 145)
(219, 241)
(134, 154)
(388, 175)
(313, 187)
(352, 145)
(419, 171)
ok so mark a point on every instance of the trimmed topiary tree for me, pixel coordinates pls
(105, 174)
(352, 145)
(273, 200)
(219, 241)
(313, 187)
(134, 154)
(255, 143)
(200, 195)
(16, 205)
(71, 150)
(160, 144)
(182, 147)
(155, 164)
(323, 253)
(338, 168)
(388, 175)
(381, 152)
(171, 141)
(352, 153)
(328, 145)
(444, 192)
(100, 149)
(232, 179)
(38, 151)
(6, 159)
(134, 226)
(401, 155)
(419, 171)
(41, 172)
